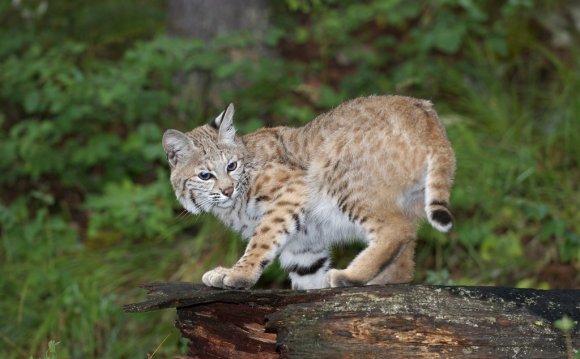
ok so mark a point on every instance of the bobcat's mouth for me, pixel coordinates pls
(226, 202)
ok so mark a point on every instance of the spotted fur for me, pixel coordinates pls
(370, 169)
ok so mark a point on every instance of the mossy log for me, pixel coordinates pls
(395, 321)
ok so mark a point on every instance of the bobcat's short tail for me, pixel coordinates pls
(440, 171)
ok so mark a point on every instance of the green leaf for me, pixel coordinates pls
(274, 35)
(301, 35)
(32, 102)
(448, 39)
(504, 249)
(227, 70)
(565, 324)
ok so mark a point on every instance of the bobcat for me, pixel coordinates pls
(369, 169)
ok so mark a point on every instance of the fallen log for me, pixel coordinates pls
(395, 321)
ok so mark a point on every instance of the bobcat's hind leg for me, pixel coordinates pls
(389, 242)
(402, 270)
(307, 266)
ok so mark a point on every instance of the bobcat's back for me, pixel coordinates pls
(391, 148)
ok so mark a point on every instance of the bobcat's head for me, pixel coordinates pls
(208, 167)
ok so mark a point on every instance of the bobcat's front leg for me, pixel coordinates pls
(228, 278)
(260, 252)
(282, 219)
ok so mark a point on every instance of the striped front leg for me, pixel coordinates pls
(281, 221)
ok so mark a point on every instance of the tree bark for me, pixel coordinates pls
(396, 321)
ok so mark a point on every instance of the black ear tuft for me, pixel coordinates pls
(216, 122)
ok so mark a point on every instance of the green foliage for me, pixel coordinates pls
(566, 326)
(51, 353)
(131, 212)
(87, 88)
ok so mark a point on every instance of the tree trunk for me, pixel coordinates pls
(208, 19)
(396, 321)
(205, 19)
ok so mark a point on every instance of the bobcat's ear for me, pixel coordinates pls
(225, 126)
(176, 145)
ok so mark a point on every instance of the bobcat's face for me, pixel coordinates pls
(207, 165)
(204, 181)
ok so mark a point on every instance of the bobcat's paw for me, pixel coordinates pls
(339, 278)
(227, 278)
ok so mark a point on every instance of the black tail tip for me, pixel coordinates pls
(443, 219)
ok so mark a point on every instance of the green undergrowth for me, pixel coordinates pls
(87, 213)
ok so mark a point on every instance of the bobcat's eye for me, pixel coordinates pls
(232, 166)
(204, 175)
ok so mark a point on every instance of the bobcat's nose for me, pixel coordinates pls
(228, 191)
